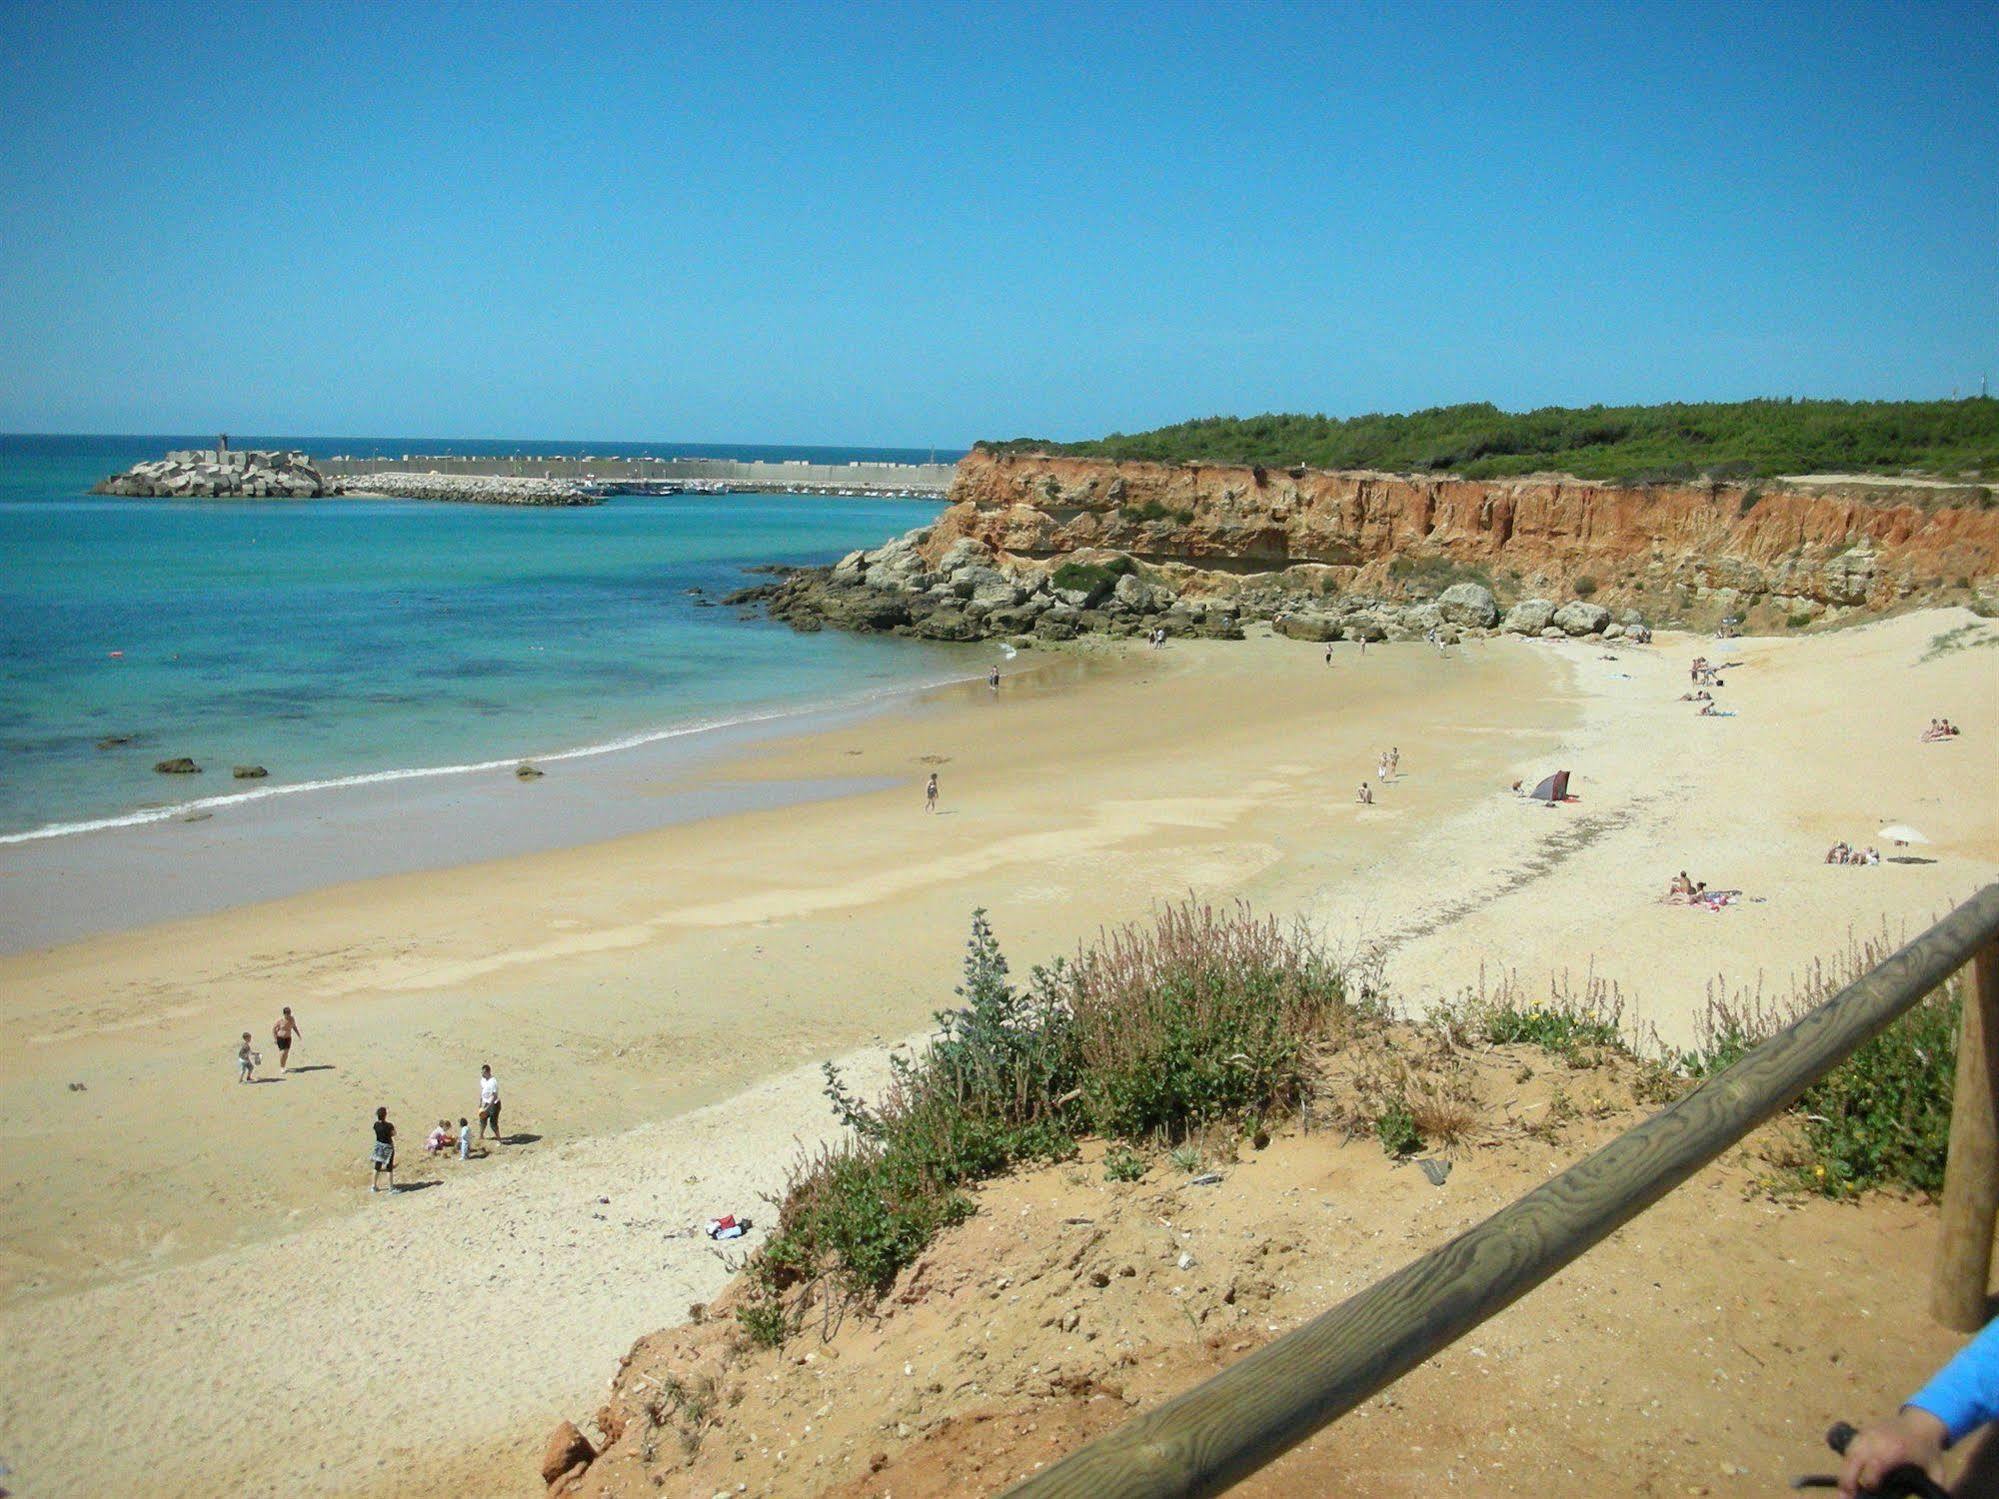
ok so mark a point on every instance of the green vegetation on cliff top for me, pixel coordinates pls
(1639, 444)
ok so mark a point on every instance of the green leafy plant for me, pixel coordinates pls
(1395, 1127)
(1673, 443)
(1123, 1164)
(1153, 1031)
(1092, 577)
(764, 1323)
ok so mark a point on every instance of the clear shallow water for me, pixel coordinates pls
(326, 640)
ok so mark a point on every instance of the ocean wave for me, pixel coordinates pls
(639, 740)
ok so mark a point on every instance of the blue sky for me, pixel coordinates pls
(927, 224)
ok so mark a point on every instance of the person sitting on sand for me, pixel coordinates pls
(440, 1139)
(1873, 856)
(1366, 796)
(1681, 885)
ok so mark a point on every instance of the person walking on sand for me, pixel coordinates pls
(1395, 761)
(246, 1061)
(1329, 653)
(489, 1103)
(385, 1151)
(930, 794)
(992, 679)
(284, 1033)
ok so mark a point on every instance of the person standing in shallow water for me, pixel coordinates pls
(992, 679)
(930, 794)
(384, 1157)
(284, 1032)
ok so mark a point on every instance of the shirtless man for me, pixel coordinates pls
(930, 794)
(284, 1033)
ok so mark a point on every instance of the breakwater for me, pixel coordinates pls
(607, 475)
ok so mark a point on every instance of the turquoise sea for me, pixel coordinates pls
(328, 640)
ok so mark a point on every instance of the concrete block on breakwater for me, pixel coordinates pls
(469, 489)
(607, 475)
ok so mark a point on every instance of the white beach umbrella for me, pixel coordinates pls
(1901, 834)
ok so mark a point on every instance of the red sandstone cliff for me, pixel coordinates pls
(1780, 549)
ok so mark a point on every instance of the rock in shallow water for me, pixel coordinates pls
(180, 765)
(249, 772)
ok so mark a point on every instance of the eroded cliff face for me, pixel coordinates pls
(1772, 554)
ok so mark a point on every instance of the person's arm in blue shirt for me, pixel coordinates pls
(1963, 1395)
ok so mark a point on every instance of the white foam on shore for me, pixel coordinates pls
(176, 810)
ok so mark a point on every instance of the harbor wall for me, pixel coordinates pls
(893, 478)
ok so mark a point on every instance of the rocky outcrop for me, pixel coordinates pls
(1580, 618)
(208, 474)
(179, 765)
(1469, 604)
(1528, 617)
(566, 1456)
(1686, 553)
(1046, 548)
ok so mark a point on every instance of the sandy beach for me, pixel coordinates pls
(201, 1296)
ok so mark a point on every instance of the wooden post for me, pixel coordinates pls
(1971, 1179)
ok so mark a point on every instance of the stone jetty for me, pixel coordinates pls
(210, 473)
(470, 489)
(254, 474)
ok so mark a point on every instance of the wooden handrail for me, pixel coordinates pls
(1203, 1441)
